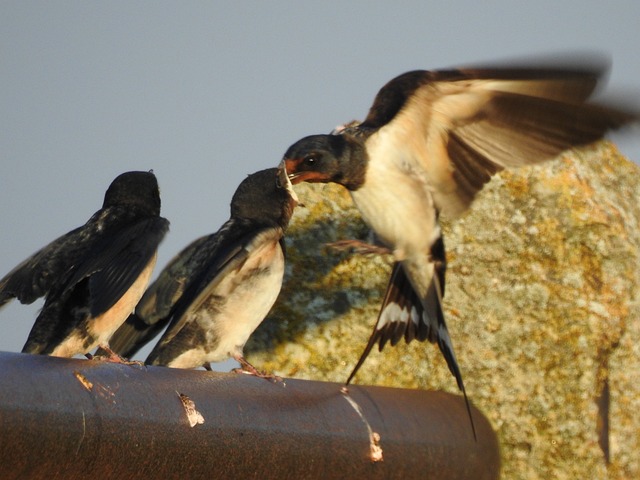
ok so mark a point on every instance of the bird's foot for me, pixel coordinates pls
(359, 247)
(248, 369)
(113, 357)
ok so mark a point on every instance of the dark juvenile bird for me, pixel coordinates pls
(217, 290)
(93, 276)
(429, 143)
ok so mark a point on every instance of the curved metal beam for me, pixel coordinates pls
(69, 418)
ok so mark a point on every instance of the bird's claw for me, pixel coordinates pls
(248, 369)
(359, 247)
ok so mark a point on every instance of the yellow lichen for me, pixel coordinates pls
(541, 304)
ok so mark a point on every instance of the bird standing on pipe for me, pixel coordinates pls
(217, 290)
(429, 143)
(93, 276)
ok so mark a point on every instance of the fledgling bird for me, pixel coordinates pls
(217, 290)
(93, 276)
(429, 143)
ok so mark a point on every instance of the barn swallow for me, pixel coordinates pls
(93, 276)
(216, 291)
(429, 143)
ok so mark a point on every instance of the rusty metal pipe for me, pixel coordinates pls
(70, 419)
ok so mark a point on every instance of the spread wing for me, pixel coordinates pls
(459, 127)
(112, 263)
(34, 277)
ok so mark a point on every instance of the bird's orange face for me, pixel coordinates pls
(324, 159)
(303, 169)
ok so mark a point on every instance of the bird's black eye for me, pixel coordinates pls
(310, 159)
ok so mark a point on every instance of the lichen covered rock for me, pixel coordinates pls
(541, 303)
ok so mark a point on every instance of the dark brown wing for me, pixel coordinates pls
(459, 127)
(35, 276)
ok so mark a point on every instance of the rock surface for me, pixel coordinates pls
(541, 303)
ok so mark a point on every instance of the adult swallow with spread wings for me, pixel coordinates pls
(217, 290)
(93, 276)
(429, 143)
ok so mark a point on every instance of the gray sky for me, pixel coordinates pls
(205, 93)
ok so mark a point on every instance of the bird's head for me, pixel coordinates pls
(266, 198)
(134, 189)
(326, 158)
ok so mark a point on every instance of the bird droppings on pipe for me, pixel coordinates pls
(375, 450)
(193, 416)
(84, 381)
